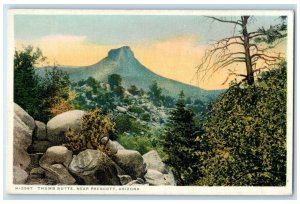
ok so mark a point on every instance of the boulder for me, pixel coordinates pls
(156, 178)
(119, 170)
(60, 174)
(39, 147)
(138, 182)
(37, 172)
(20, 175)
(24, 116)
(40, 131)
(117, 145)
(95, 168)
(111, 148)
(21, 141)
(153, 161)
(58, 125)
(170, 178)
(131, 162)
(125, 179)
(57, 155)
(121, 109)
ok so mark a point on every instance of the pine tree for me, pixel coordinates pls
(25, 79)
(180, 143)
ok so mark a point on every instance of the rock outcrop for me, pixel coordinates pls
(55, 162)
(60, 174)
(117, 145)
(158, 172)
(153, 161)
(23, 129)
(24, 116)
(156, 178)
(58, 125)
(20, 175)
(49, 164)
(131, 162)
(95, 168)
(40, 131)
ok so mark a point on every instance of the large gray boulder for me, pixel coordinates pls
(153, 161)
(117, 145)
(95, 168)
(156, 178)
(40, 132)
(58, 125)
(131, 162)
(23, 130)
(60, 174)
(111, 148)
(20, 175)
(24, 116)
(57, 155)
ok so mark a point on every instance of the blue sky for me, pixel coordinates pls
(117, 29)
(169, 45)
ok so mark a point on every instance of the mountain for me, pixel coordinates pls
(123, 62)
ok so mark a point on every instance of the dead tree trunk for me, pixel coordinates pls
(246, 36)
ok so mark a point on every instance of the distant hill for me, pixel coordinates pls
(123, 62)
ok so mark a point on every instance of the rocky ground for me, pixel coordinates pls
(41, 158)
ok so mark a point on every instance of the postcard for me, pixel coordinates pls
(150, 102)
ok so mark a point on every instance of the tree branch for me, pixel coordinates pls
(224, 21)
(235, 74)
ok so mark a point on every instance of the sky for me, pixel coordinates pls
(171, 46)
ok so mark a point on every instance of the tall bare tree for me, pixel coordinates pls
(250, 48)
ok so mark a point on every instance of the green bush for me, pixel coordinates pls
(142, 144)
(94, 127)
(146, 117)
(244, 139)
(136, 109)
(125, 123)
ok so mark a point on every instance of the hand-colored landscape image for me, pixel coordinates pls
(178, 100)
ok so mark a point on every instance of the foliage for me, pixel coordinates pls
(90, 95)
(142, 144)
(114, 80)
(152, 140)
(136, 109)
(155, 93)
(169, 102)
(115, 83)
(179, 143)
(95, 126)
(41, 97)
(60, 106)
(54, 92)
(125, 123)
(133, 90)
(146, 117)
(25, 80)
(244, 135)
